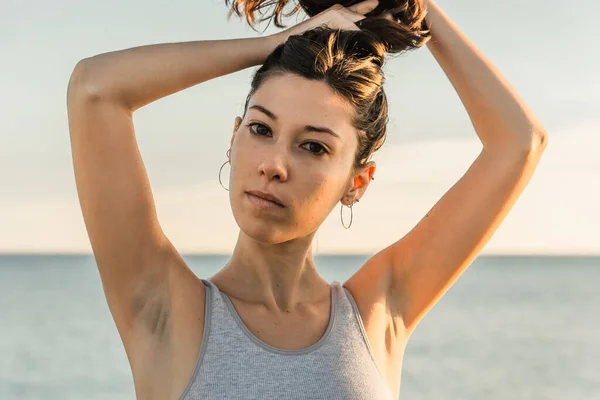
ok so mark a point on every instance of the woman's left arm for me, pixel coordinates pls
(415, 271)
(500, 117)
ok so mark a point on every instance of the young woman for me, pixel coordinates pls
(267, 325)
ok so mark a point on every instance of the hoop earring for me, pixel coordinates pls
(342, 215)
(221, 169)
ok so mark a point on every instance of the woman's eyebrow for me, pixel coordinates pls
(307, 128)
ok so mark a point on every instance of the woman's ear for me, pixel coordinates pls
(362, 179)
(236, 126)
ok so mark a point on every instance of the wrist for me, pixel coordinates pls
(260, 47)
(268, 44)
(276, 39)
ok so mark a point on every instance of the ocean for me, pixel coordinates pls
(512, 327)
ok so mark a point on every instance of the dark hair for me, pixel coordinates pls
(349, 61)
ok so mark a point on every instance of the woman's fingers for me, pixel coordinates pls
(364, 7)
(358, 11)
(354, 18)
(335, 17)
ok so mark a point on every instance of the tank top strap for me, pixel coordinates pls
(218, 317)
(346, 306)
(350, 318)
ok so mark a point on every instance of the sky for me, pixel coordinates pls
(549, 54)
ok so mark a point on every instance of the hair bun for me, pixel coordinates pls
(409, 29)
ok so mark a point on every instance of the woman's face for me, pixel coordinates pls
(296, 143)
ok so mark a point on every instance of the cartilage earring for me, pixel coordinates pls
(342, 215)
(221, 169)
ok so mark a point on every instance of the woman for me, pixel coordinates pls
(267, 325)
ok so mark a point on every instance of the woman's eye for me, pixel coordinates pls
(315, 148)
(255, 128)
(259, 129)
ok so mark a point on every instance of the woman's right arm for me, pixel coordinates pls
(129, 246)
(140, 75)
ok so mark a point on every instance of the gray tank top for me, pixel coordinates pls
(234, 364)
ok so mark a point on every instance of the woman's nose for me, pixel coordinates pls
(274, 166)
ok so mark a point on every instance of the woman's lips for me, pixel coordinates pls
(262, 203)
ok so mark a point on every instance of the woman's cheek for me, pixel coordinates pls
(321, 188)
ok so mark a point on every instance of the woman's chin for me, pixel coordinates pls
(262, 228)
(263, 232)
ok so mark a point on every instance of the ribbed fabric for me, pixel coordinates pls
(234, 364)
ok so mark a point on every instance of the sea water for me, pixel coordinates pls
(518, 327)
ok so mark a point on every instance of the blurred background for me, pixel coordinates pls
(522, 322)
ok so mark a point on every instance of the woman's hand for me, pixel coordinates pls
(335, 17)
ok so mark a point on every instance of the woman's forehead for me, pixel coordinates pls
(292, 98)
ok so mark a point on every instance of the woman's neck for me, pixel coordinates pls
(280, 276)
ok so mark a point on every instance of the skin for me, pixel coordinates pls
(311, 172)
